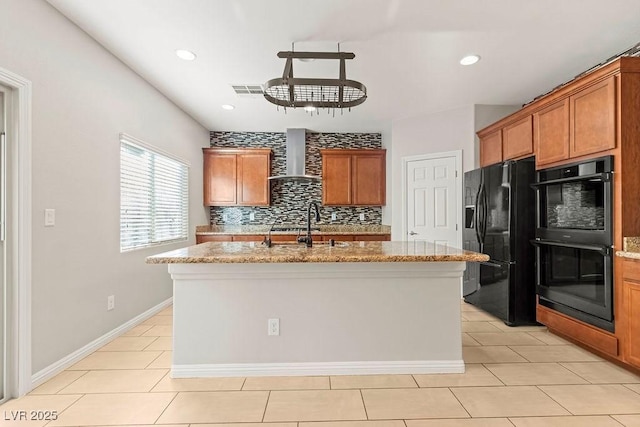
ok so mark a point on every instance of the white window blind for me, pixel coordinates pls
(154, 196)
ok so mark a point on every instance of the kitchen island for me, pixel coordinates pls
(353, 308)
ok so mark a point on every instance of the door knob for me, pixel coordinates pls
(413, 233)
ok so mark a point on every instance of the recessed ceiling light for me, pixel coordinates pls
(309, 108)
(228, 107)
(469, 60)
(187, 55)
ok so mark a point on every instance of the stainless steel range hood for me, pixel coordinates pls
(296, 157)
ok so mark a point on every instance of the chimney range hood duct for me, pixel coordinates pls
(296, 145)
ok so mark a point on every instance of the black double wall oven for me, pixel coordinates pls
(574, 237)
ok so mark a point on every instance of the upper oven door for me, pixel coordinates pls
(574, 203)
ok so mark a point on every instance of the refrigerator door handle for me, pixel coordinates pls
(476, 212)
(491, 264)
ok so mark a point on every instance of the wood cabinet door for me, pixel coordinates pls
(219, 171)
(336, 179)
(491, 148)
(517, 139)
(592, 119)
(368, 179)
(551, 133)
(253, 179)
(632, 303)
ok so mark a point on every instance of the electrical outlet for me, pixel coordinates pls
(111, 302)
(361, 217)
(224, 217)
(273, 327)
(252, 216)
(334, 216)
(49, 217)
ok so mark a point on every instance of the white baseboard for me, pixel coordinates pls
(57, 367)
(323, 368)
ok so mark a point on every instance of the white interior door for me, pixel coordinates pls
(433, 186)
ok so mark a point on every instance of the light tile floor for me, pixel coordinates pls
(522, 377)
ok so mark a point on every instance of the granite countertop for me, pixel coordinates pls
(631, 248)
(205, 230)
(252, 252)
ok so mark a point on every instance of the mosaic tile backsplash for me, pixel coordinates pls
(289, 199)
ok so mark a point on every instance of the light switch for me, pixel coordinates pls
(49, 217)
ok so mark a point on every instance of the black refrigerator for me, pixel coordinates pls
(499, 218)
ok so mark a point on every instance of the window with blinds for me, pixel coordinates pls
(154, 196)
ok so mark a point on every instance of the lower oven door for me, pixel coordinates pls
(576, 279)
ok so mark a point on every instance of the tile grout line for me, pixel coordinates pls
(58, 392)
(615, 420)
(147, 346)
(166, 407)
(559, 404)
(626, 385)
(160, 380)
(264, 413)
(458, 400)
(364, 406)
(72, 403)
(415, 381)
(156, 358)
(575, 373)
(510, 421)
(491, 372)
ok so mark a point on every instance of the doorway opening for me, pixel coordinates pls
(16, 246)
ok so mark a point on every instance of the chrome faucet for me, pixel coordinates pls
(307, 239)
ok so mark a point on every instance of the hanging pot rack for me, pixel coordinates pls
(293, 92)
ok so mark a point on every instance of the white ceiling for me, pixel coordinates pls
(407, 51)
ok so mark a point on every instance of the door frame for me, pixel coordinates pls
(457, 154)
(18, 371)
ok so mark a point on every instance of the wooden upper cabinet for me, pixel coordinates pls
(220, 177)
(236, 177)
(253, 170)
(369, 180)
(353, 177)
(551, 133)
(491, 148)
(517, 139)
(592, 119)
(336, 178)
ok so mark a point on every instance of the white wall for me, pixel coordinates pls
(434, 133)
(82, 99)
(444, 131)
